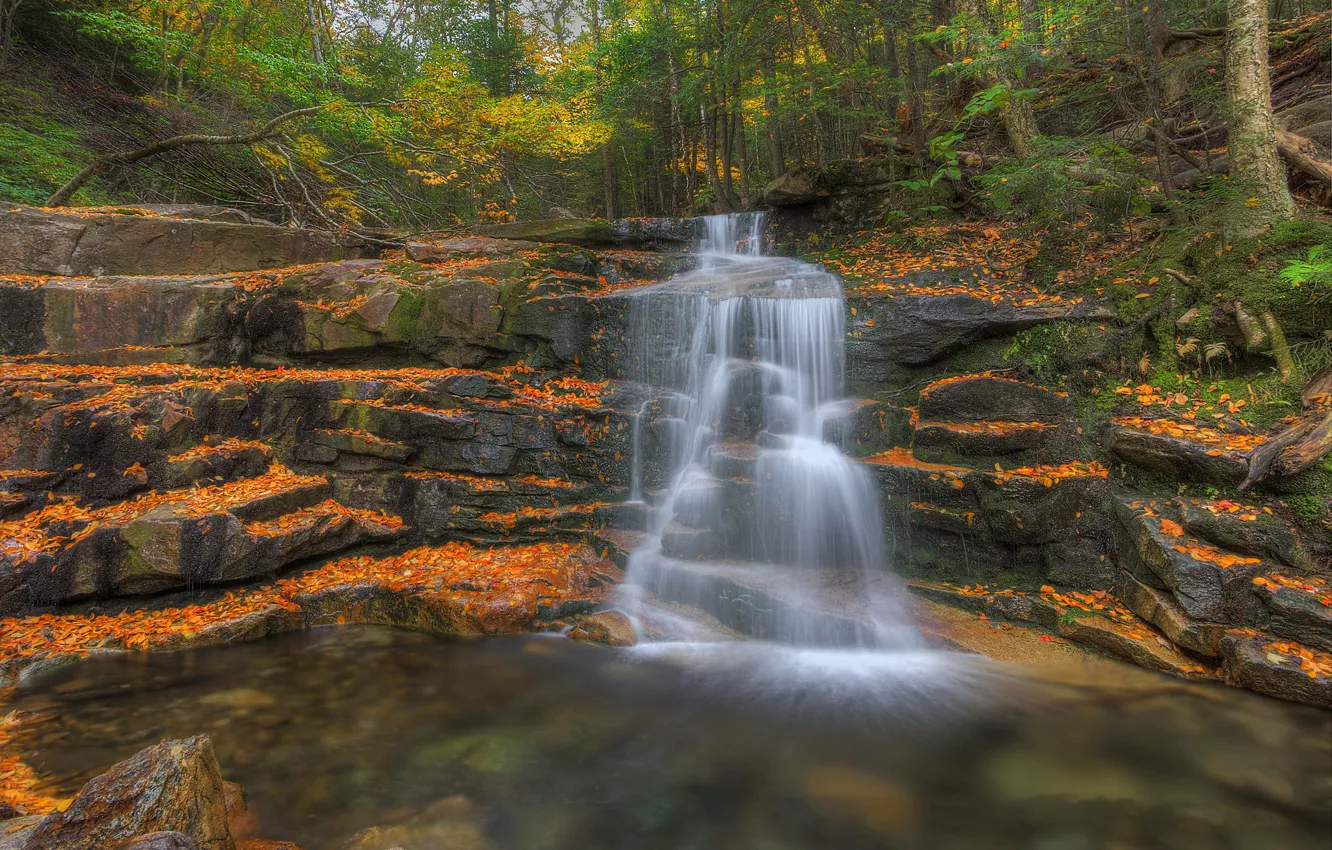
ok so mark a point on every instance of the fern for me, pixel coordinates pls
(1315, 269)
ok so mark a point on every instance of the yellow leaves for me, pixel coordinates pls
(1171, 528)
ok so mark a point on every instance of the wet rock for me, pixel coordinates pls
(162, 841)
(919, 330)
(362, 443)
(1256, 662)
(1161, 610)
(1253, 532)
(793, 189)
(882, 806)
(1209, 584)
(241, 821)
(175, 786)
(49, 242)
(1299, 616)
(1182, 459)
(610, 628)
(450, 824)
(990, 398)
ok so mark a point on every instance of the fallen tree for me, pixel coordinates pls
(109, 162)
(1303, 443)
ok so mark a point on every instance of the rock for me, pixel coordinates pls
(1262, 664)
(205, 212)
(1161, 610)
(262, 844)
(991, 398)
(450, 824)
(175, 786)
(610, 628)
(921, 329)
(1181, 459)
(792, 189)
(1209, 584)
(1250, 530)
(1299, 616)
(599, 233)
(466, 246)
(46, 242)
(162, 841)
(241, 821)
(14, 831)
(362, 443)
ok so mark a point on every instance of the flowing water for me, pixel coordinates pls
(746, 354)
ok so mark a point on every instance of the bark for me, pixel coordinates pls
(1300, 153)
(1280, 349)
(1293, 450)
(1253, 152)
(1017, 116)
(104, 164)
(771, 123)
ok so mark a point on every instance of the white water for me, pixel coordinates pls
(749, 349)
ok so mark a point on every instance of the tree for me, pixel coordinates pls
(1260, 195)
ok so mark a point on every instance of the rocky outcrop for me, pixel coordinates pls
(175, 786)
(598, 233)
(45, 242)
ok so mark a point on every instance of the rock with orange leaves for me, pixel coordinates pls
(175, 786)
(1279, 668)
(1210, 584)
(1181, 450)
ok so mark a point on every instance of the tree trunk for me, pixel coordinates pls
(1254, 165)
(771, 123)
(1017, 116)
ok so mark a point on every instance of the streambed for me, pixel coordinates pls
(537, 742)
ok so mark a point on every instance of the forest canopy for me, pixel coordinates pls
(452, 113)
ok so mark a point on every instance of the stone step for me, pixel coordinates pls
(161, 541)
(1209, 583)
(934, 440)
(1181, 449)
(1280, 668)
(1195, 590)
(1095, 619)
(992, 398)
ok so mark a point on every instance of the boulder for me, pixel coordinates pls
(1252, 531)
(991, 398)
(175, 786)
(1181, 459)
(792, 189)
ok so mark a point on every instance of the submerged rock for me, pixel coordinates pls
(610, 628)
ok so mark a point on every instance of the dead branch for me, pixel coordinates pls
(108, 162)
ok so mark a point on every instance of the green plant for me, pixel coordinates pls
(1315, 269)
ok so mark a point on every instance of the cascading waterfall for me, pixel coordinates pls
(745, 353)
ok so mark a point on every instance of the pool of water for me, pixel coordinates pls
(539, 743)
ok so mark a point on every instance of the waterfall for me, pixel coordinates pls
(743, 354)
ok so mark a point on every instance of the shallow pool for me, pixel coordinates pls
(541, 743)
